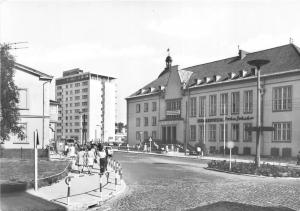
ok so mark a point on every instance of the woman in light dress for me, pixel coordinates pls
(101, 156)
(90, 156)
(80, 159)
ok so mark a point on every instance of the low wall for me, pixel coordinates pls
(22, 153)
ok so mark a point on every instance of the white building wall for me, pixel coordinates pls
(109, 110)
(32, 115)
(95, 109)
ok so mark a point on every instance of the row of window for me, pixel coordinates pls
(282, 132)
(84, 83)
(281, 101)
(71, 117)
(77, 104)
(68, 130)
(224, 103)
(146, 122)
(144, 135)
(146, 107)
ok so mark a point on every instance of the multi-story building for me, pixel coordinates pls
(34, 104)
(87, 110)
(216, 102)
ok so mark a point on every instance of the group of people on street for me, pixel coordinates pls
(87, 156)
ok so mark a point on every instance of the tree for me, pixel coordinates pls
(9, 96)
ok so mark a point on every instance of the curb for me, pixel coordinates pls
(249, 175)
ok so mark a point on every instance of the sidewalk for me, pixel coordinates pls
(85, 191)
(234, 158)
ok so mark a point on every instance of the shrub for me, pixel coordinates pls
(250, 168)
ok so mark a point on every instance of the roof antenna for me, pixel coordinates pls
(238, 47)
(291, 40)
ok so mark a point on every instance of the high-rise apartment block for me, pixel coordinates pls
(87, 110)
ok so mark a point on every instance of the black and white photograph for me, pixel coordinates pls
(128, 105)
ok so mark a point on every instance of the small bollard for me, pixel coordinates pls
(107, 177)
(100, 186)
(68, 182)
(121, 174)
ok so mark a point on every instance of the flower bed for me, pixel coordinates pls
(250, 168)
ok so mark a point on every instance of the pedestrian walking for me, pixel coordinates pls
(198, 151)
(80, 159)
(102, 158)
(298, 158)
(90, 156)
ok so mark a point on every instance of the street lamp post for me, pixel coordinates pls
(44, 113)
(257, 63)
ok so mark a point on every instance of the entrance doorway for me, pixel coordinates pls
(169, 134)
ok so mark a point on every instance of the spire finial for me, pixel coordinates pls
(291, 40)
(168, 60)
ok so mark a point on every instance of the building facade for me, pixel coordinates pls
(34, 98)
(87, 110)
(216, 102)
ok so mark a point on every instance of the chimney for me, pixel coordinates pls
(242, 54)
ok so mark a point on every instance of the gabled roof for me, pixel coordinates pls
(282, 58)
(41, 75)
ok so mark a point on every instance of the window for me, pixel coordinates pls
(193, 107)
(235, 102)
(138, 108)
(212, 132)
(84, 96)
(138, 135)
(282, 98)
(146, 135)
(66, 130)
(23, 99)
(84, 103)
(77, 117)
(71, 92)
(77, 97)
(76, 130)
(67, 99)
(71, 85)
(84, 110)
(173, 109)
(247, 134)
(282, 132)
(153, 106)
(85, 90)
(66, 118)
(247, 151)
(145, 121)
(248, 101)
(235, 133)
(201, 133)
(138, 122)
(77, 123)
(222, 132)
(59, 87)
(275, 152)
(67, 92)
(84, 83)
(77, 85)
(193, 133)
(67, 111)
(67, 86)
(212, 105)
(71, 104)
(77, 104)
(154, 121)
(145, 107)
(77, 110)
(202, 109)
(154, 134)
(71, 116)
(224, 104)
(71, 98)
(77, 91)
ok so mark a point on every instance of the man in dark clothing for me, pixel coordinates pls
(298, 158)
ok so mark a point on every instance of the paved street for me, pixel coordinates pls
(164, 183)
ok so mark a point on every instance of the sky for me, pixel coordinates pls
(129, 39)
